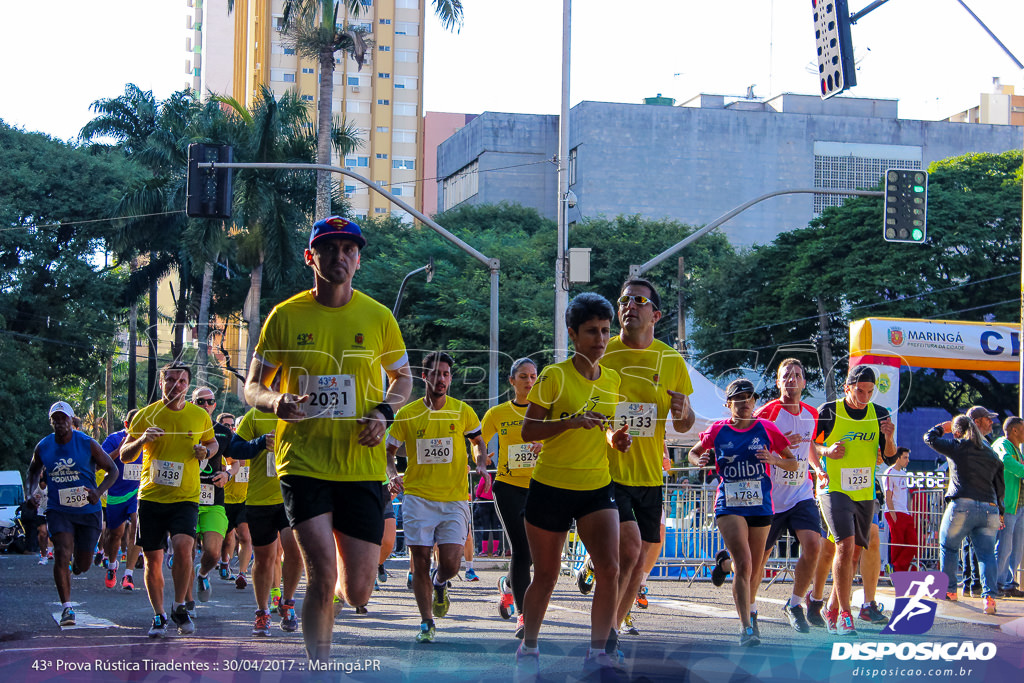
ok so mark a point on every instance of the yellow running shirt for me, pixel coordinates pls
(576, 459)
(515, 458)
(338, 356)
(170, 471)
(436, 447)
(238, 484)
(646, 376)
(264, 486)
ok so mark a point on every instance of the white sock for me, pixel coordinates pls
(113, 565)
(65, 605)
(469, 565)
(794, 601)
(753, 608)
(202, 575)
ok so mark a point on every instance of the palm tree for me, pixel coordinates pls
(269, 202)
(312, 26)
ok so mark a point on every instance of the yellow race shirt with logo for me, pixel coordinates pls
(515, 461)
(234, 490)
(170, 457)
(435, 445)
(646, 375)
(576, 459)
(854, 473)
(338, 356)
(264, 486)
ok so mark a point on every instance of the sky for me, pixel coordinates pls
(928, 54)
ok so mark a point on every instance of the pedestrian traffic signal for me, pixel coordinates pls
(906, 206)
(209, 189)
(836, 69)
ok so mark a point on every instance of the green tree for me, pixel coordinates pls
(764, 302)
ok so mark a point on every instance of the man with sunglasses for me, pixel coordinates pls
(655, 388)
(331, 347)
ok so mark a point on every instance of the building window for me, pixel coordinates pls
(401, 135)
(461, 185)
(353, 80)
(306, 70)
(405, 109)
(381, 156)
(397, 191)
(411, 56)
(288, 78)
(406, 163)
(385, 22)
(852, 166)
(357, 107)
(383, 101)
(407, 28)
(382, 129)
(383, 74)
(278, 22)
(289, 50)
(307, 98)
(380, 210)
(352, 162)
(407, 82)
(350, 189)
(406, 4)
(384, 48)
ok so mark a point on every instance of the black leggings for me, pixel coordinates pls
(510, 501)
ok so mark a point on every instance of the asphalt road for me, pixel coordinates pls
(689, 633)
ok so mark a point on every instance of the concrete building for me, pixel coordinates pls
(1001, 106)
(694, 162)
(237, 52)
(437, 127)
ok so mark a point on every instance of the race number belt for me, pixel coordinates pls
(745, 493)
(330, 396)
(74, 497)
(641, 418)
(167, 472)
(521, 456)
(434, 451)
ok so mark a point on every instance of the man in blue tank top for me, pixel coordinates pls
(69, 459)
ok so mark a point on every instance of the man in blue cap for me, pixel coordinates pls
(330, 347)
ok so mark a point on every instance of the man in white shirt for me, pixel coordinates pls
(902, 531)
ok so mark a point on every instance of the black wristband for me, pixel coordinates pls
(387, 411)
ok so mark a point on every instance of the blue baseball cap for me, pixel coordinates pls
(336, 226)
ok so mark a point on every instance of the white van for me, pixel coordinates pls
(12, 494)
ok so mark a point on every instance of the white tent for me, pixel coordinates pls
(708, 401)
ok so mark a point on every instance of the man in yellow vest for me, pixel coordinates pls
(848, 437)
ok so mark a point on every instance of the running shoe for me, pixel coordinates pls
(408, 581)
(952, 597)
(441, 600)
(427, 633)
(289, 621)
(140, 563)
(127, 583)
(203, 588)
(105, 563)
(630, 625)
(990, 605)
(1011, 593)
(240, 582)
(169, 560)
(382, 574)
(190, 607)
(97, 560)
(753, 624)
(67, 617)
(471, 575)
(872, 612)
(338, 605)
(831, 617)
(527, 666)
(795, 614)
(361, 610)
(262, 625)
(598, 662)
(224, 572)
(520, 627)
(976, 590)
(718, 574)
(43, 560)
(275, 597)
(110, 580)
(641, 597)
(507, 604)
(844, 625)
(585, 576)
(748, 638)
(182, 620)
(159, 627)
(814, 608)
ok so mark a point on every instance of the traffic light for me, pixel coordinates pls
(906, 206)
(209, 189)
(836, 69)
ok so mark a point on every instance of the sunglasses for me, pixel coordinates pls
(206, 401)
(638, 299)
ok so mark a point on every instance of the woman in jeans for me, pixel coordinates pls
(974, 501)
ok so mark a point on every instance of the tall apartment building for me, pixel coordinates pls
(235, 53)
(1002, 106)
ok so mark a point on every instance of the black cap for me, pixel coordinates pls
(740, 386)
(860, 373)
